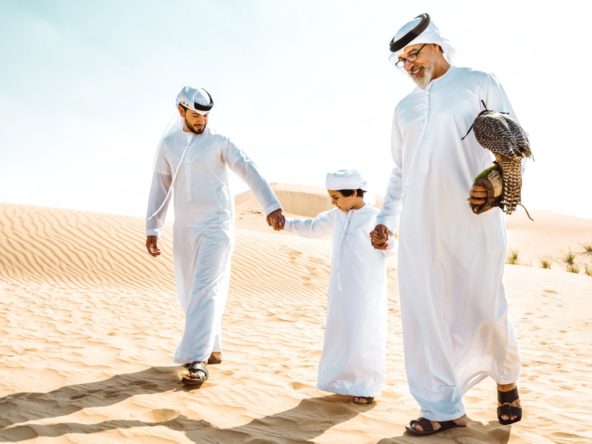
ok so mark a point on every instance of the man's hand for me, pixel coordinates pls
(276, 220)
(152, 246)
(379, 237)
(477, 197)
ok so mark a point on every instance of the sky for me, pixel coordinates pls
(303, 87)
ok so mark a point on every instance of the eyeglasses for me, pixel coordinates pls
(400, 63)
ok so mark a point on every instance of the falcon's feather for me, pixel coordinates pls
(505, 138)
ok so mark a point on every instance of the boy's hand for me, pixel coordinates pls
(276, 220)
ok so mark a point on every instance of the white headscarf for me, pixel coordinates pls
(200, 101)
(196, 99)
(430, 35)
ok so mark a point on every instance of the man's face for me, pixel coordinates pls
(194, 121)
(420, 70)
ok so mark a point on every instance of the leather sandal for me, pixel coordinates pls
(196, 375)
(427, 428)
(506, 409)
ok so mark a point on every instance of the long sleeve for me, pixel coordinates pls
(159, 190)
(319, 226)
(246, 169)
(391, 207)
(497, 99)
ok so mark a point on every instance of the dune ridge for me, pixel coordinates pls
(88, 324)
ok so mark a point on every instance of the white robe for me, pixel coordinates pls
(203, 231)
(352, 361)
(454, 311)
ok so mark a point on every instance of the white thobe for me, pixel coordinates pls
(203, 231)
(352, 361)
(454, 310)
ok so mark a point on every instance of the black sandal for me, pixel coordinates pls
(428, 428)
(363, 400)
(196, 375)
(506, 409)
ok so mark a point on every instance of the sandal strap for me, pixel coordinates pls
(424, 423)
(196, 367)
(508, 410)
(508, 397)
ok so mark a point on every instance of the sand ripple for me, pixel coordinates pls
(88, 323)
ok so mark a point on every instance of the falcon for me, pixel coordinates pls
(505, 138)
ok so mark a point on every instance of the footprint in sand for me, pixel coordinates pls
(160, 415)
(312, 269)
(294, 254)
(299, 385)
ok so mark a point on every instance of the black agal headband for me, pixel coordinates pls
(411, 35)
(208, 107)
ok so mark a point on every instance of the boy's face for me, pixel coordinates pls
(344, 203)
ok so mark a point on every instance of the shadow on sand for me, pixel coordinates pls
(309, 419)
(475, 433)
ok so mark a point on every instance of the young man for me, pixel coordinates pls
(194, 160)
(454, 311)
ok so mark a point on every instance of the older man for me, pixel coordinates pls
(193, 160)
(453, 306)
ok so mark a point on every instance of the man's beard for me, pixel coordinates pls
(425, 77)
(193, 130)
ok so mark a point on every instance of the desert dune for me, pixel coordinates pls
(89, 321)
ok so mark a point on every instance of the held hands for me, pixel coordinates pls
(379, 237)
(276, 220)
(477, 197)
(152, 246)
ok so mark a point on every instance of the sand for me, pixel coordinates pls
(89, 321)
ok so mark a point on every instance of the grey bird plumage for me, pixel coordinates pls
(505, 138)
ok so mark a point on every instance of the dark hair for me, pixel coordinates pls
(359, 192)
